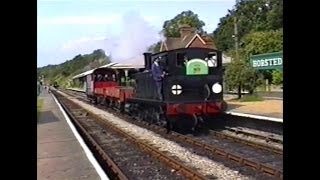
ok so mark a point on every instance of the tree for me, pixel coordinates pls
(263, 42)
(277, 77)
(252, 16)
(171, 27)
(223, 34)
(275, 15)
(94, 64)
(239, 75)
(63, 72)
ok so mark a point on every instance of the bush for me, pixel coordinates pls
(277, 77)
(240, 74)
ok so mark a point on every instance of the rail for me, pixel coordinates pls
(179, 167)
(257, 166)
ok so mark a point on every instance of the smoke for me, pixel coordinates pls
(162, 37)
(137, 35)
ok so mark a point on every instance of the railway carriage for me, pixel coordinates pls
(111, 85)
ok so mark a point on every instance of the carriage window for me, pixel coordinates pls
(96, 78)
(100, 77)
(181, 59)
(114, 78)
(212, 59)
(106, 78)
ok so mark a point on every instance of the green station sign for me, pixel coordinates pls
(267, 61)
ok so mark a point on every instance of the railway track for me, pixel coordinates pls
(259, 140)
(251, 139)
(259, 127)
(123, 156)
(246, 158)
(269, 138)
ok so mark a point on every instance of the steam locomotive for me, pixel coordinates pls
(192, 89)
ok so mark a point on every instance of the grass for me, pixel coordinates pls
(39, 106)
(251, 98)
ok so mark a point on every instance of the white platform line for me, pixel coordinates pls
(273, 98)
(255, 116)
(79, 90)
(87, 151)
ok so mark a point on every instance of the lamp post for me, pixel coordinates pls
(235, 36)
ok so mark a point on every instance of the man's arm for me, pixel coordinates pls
(156, 72)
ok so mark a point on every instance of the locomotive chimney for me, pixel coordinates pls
(147, 60)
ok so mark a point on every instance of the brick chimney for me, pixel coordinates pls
(185, 30)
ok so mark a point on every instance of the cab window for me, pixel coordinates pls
(181, 59)
(212, 59)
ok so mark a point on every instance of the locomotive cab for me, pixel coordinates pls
(192, 88)
(193, 75)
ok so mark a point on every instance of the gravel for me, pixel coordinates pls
(203, 165)
(128, 157)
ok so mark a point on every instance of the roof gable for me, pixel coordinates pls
(194, 37)
(187, 40)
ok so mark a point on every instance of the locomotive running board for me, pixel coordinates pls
(147, 101)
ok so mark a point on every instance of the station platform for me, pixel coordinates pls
(270, 110)
(61, 152)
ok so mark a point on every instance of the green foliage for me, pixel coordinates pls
(239, 73)
(277, 77)
(171, 27)
(252, 16)
(76, 84)
(263, 42)
(251, 98)
(259, 31)
(63, 72)
(275, 15)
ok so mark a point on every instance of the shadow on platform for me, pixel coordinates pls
(233, 106)
(47, 117)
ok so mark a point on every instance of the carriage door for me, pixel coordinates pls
(89, 87)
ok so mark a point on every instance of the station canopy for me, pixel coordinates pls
(113, 66)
